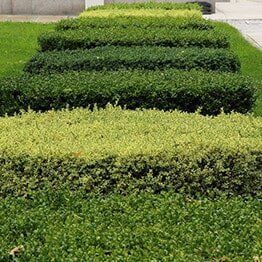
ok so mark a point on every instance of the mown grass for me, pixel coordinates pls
(18, 42)
(60, 226)
(250, 57)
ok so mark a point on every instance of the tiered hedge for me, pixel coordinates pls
(74, 39)
(139, 22)
(170, 89)
(117, 57)
(124, 151)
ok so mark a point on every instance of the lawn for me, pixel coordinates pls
(18, 42)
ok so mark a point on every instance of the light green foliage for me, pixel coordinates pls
(147, 5)
(141, 13)
(134, 22)
(116, 150)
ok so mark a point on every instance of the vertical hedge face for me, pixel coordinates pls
(164, 90)
(114, 58)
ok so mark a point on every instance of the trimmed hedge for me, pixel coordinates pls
(77, 39)
(60, 226)
(165, 90)
(147, 5)
(117, 57)
(126, 151)
(139, 22)
(142, 13)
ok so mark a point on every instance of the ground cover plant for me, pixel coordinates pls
(168, 227)
(142, 13)
(137, 57)
(167, 90)
(137, 22)
(115, 150)
(75, 39)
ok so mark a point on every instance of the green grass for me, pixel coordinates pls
(18, 42)
(62, 227)
(250, 57)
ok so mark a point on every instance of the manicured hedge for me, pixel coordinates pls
(60, 226)
(142, 13)
(165, 90)
(117, 57)
(139, 22)
(124, 151)
(147, 5)
(74, 39)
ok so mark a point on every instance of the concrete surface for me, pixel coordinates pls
(32, 18)
(238, 10)
(245, 15)
(42, 7)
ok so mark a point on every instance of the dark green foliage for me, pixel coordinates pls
(59, 226)
(85, 39)
(166, 90)
(116, 57)
(134, 22)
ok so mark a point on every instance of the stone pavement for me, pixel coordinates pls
(31, 18)
(245, 15)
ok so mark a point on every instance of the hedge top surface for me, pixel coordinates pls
(148, 5)
(142, 13)
(81, 133)
(140, 22)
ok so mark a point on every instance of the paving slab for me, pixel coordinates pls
(32, 18)
(245, 15)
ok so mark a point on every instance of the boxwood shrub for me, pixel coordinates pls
(117, 57)
(74, 39)
(142, 13)
(139, 22)
(147, 5)
(124, 151)
(165, 90)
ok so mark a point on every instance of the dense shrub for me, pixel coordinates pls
(125, 151)
(60, 226)
(139, 22)
(74, 39)
(166, 90)
(142, 13)
(147, 5)
(117, 57)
